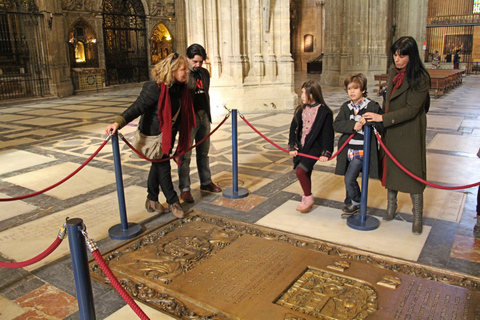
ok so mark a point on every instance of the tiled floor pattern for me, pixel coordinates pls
(42, 142)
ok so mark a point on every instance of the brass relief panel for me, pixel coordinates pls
(328, 296)
(208, 267)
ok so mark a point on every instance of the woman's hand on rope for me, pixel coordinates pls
(111, 128)
(293, 153)
(323, 159)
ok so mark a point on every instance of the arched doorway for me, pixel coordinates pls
(82, 46)
(160, 43)
(124, 32)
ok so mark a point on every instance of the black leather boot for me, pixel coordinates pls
(391, 205)
(417, 201)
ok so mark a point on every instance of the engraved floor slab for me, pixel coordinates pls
(206, 267)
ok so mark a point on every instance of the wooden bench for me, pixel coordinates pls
(442, 80)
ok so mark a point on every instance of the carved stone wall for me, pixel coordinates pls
(248, 48)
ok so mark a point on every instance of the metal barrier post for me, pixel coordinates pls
(234, 192)
(83, 284)
(124, 230)
(361, 221)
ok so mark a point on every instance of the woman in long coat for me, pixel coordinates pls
(404, 119)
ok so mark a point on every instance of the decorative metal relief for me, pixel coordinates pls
(75, 5)
(328, 296)
(163, 8)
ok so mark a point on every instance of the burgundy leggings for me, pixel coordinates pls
(305, 179)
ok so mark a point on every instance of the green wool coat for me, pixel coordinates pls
(405, 126)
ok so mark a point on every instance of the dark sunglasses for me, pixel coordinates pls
(175, 56)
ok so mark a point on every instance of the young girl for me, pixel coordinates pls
(311, 132)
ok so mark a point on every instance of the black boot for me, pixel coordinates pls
(391, 205)
(417, 201)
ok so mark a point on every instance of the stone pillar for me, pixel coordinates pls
(355, 39)
(252, 68)
(411, 20)
(56, 49)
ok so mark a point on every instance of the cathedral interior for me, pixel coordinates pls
(67, 68)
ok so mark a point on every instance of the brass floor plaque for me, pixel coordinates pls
(209, 267)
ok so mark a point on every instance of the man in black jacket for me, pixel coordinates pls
(199, 83)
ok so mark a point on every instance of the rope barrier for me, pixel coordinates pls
(113, 280)
(178, 155)
(414, 176)
(61, 181)
(41, 256)
(300, 154)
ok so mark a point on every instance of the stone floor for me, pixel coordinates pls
(44, 141)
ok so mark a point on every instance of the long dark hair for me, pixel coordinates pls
(313, 88)
(407, 46)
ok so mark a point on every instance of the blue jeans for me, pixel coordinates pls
(203, 164)
(351, 185)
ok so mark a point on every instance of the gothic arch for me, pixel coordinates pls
(161, 43)
(83, 46)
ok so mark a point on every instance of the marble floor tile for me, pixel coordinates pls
(44, 121)
(11, 209)
(38, 133)
(466, 248)
(224, 180)
(452, 170)
(126, 313)
(74, 107)
(82, 115)
(13, 117)
(16, 142)
(471, 123)
(29, 239)
(13, 160)
(102, 103)
(444, 122)
(392, 238)
(455, 143)
(9, 309)
(86, 180)
(244, 204)
(43, 112)
(48, 302)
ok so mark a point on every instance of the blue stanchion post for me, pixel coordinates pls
(124, 230)
(234, 192)
(361, 221)
(83, 283)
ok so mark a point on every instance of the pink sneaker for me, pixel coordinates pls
(306, 204)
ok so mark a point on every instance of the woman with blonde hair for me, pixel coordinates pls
(165, 107)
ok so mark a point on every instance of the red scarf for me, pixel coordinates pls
(397, 82)
(187, 119)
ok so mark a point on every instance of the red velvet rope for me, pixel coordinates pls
(41, 256)
(114, 281)
(417, 178)
(61, 181)
(178, 155)
(300, 154)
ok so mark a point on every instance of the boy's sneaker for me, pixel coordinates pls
(349, 210)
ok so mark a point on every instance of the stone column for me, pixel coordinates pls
(56, 49)
(355, 39)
